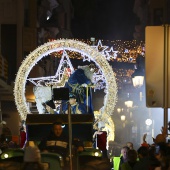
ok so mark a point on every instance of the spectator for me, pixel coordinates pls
(130, 145)
(132, 160)
(161, 154)
(118, 161)
(144, 161)
(6, 131)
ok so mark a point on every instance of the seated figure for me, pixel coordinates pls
(76, 108)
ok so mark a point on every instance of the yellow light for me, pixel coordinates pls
(96, 154)
(6, 155)
(123, 117)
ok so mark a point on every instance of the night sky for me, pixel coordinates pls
(103, 19)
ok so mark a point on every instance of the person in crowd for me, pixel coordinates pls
(6, 131)
(3, 143)
(22, 135)
(130, 145)
(144, 160)
(32, 159)
(162, 154)
(118, 161)
(161, 138)
(132, 160)
(75, 107)
(57, 142)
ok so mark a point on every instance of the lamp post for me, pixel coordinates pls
(138, 75)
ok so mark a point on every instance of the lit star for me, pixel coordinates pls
(100, 47)
(111, 54)
(64, 63)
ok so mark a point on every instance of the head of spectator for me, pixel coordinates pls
(130, 145)
(132, 156)
(161, 138)
(143, 152)
(160, 150)
(124, 152)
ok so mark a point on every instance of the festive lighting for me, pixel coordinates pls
(138, 75)
(129, 103)
(127, 51)
(119, 110)
(148, 122)
(138, 81)
(123, 117)
(92, 54)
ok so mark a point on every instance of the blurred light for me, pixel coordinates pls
(123, 117)
(119, 110)
(6, 155)
(129, 103)
(96, 154)
(148, 122)
(138, 81)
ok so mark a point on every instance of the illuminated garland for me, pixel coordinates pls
(111, 88)
(120, 51)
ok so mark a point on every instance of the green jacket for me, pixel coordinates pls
(126, 166)
(116, 163)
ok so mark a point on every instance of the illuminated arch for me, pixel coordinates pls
(72, 45)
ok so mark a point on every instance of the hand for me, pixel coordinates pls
(84, 85)
(144, 137)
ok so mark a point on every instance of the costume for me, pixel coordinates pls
(75, 82)
(22, 138)
(76, 109)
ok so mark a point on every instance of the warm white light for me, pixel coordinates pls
(118, 110)
(138, 81)
(148, 122)
(6, 155)
(123, 117)
(96, 154)
(129, 103)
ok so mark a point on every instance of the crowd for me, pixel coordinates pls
(155, 156)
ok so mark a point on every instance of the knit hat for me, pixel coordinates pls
(32, 154)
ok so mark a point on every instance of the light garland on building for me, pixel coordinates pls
(85, 50)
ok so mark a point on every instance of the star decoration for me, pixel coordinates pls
(100, 47)
(64, 63)
(111, 54)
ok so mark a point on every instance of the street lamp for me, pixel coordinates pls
(129, 102)
(138, 75)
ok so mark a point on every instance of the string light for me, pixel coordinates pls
(74, 46)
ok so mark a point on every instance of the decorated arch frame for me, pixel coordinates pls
(32, 59)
